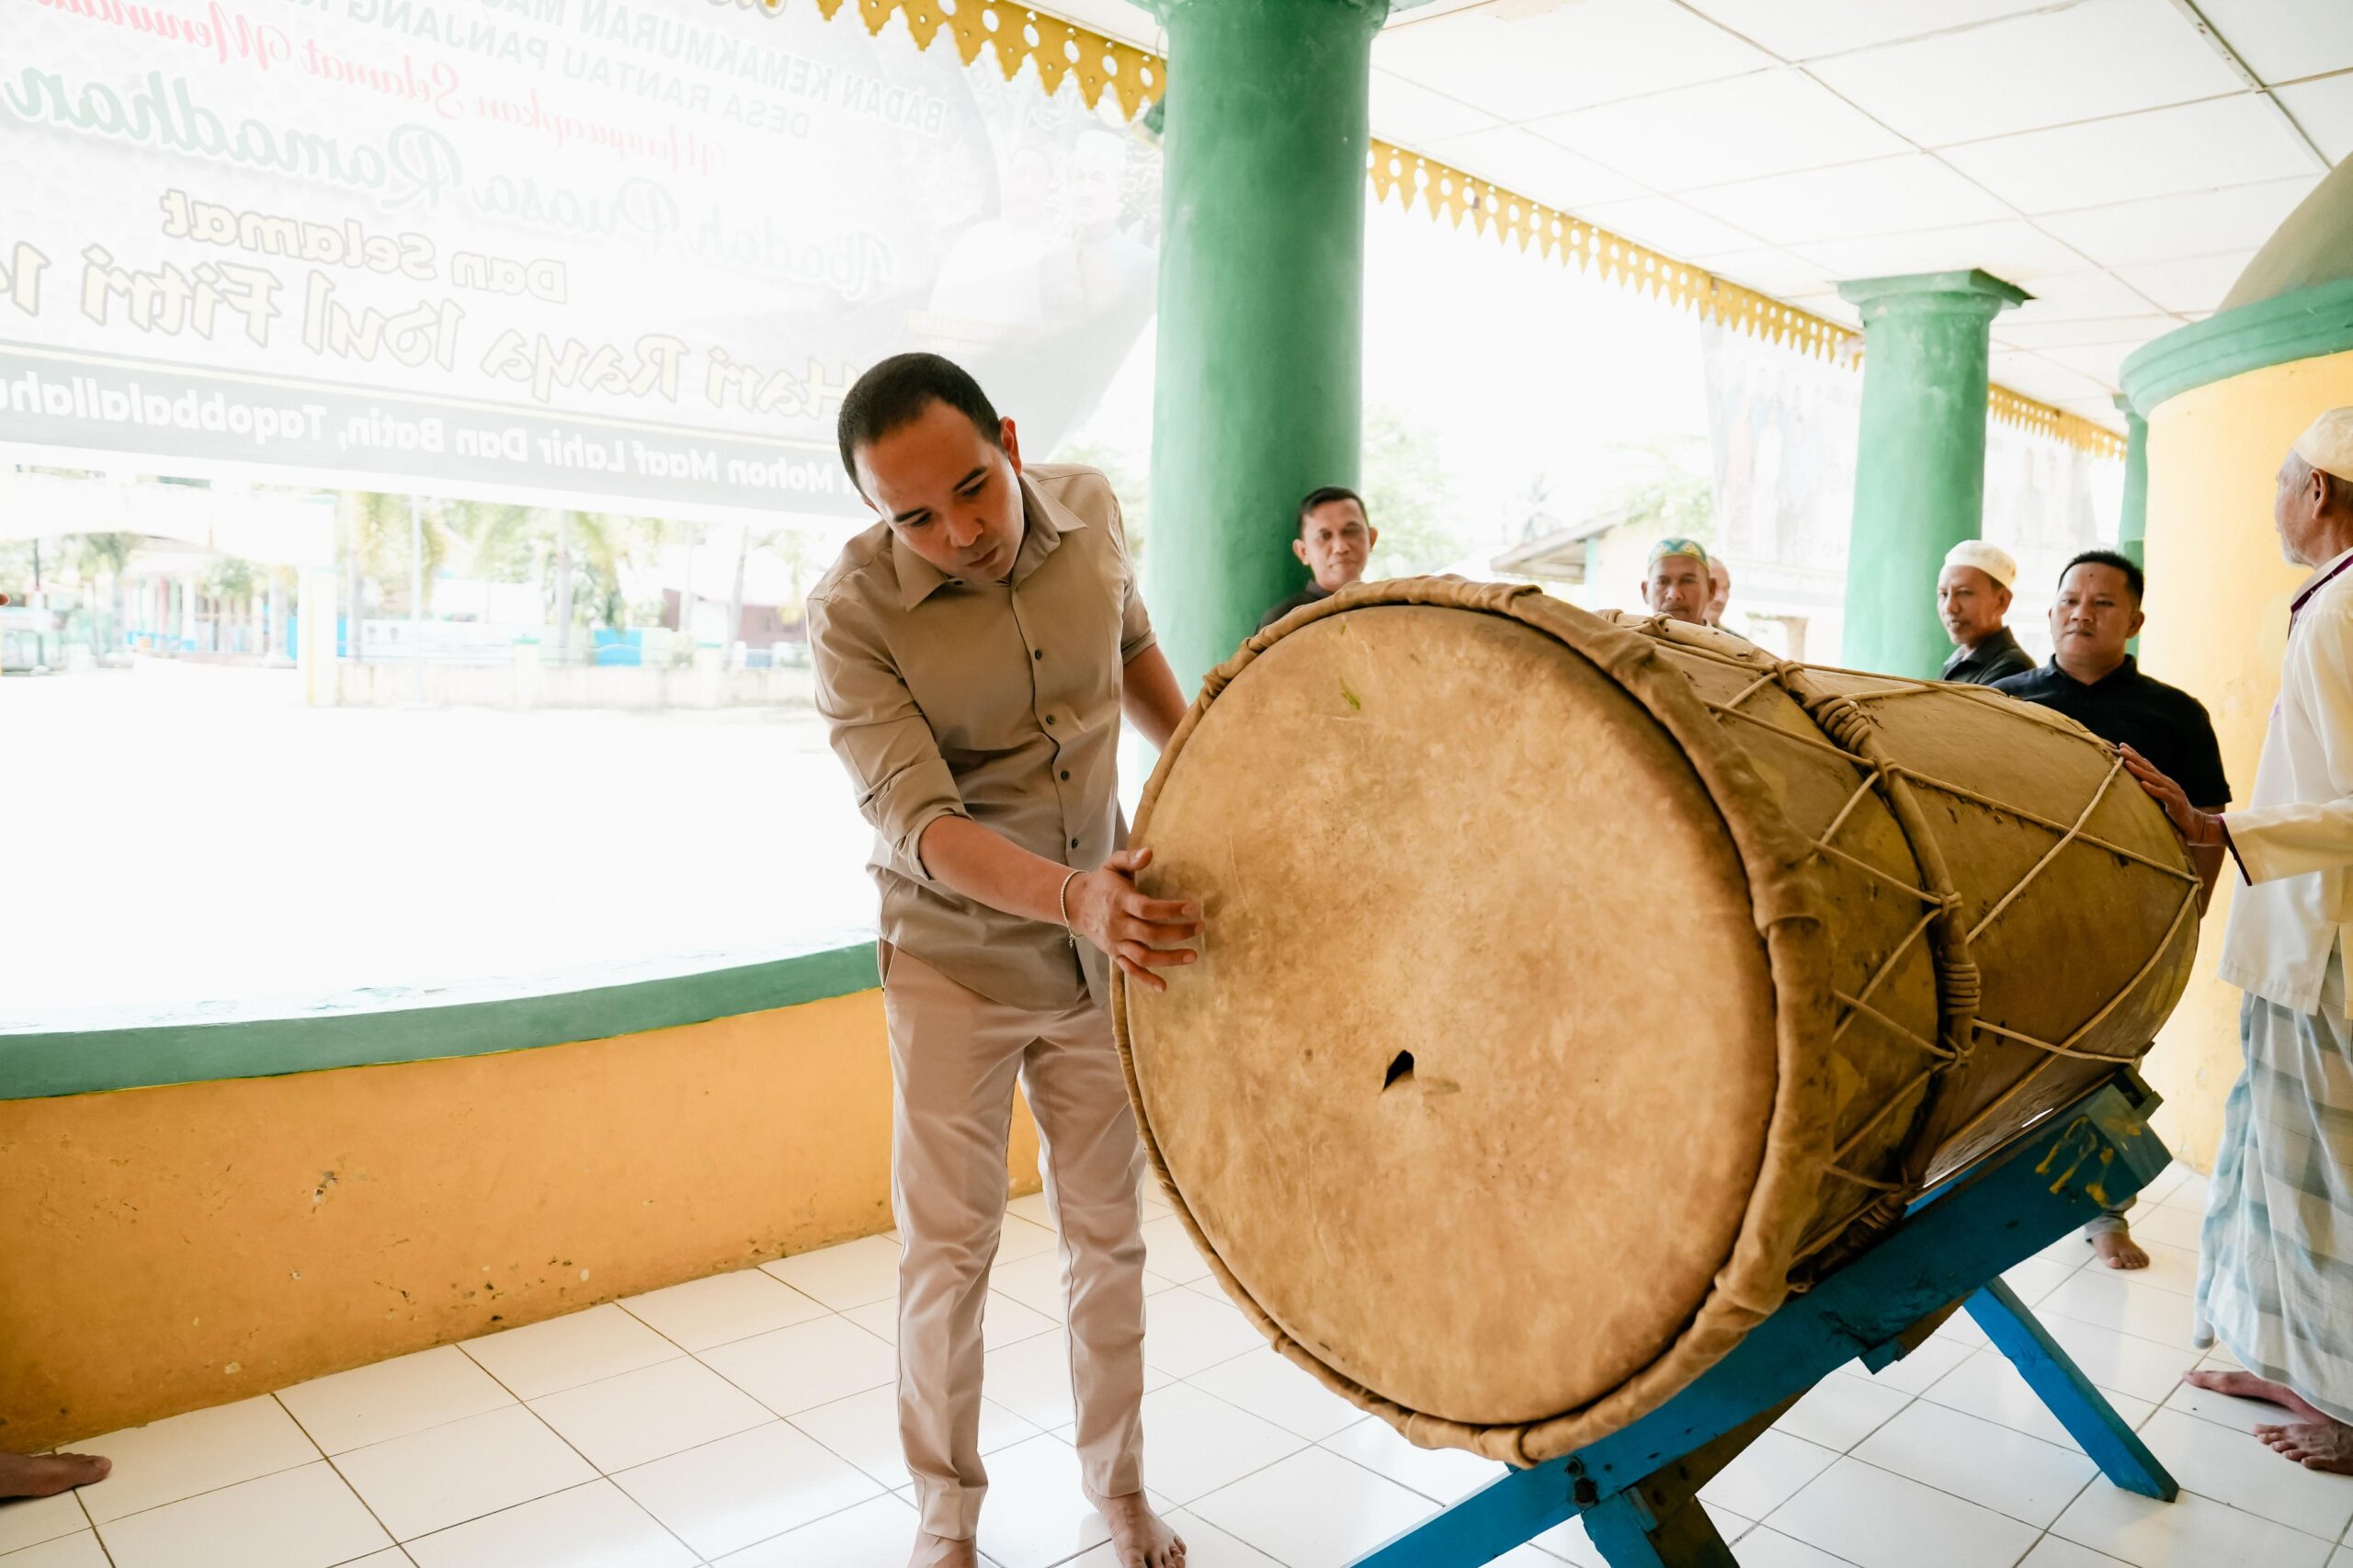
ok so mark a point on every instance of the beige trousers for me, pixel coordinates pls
(955, 1056)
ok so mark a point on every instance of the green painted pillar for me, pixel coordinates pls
(1920, 474)
(2133, 528)
(1260, 369)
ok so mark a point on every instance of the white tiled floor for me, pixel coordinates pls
(746, 1422)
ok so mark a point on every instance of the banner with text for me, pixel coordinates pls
(627, 254)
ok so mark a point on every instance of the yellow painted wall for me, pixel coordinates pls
(2218, 622)
(173, 1248)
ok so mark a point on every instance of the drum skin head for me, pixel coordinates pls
(1469, 1089)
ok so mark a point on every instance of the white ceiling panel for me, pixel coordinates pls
(2189, 283)
(1800, 29)
(2030, 333)
(1525, 62)
(1766, 122)
(1830, 307)
(2011, 249)
(2103, 362)
(1885, 196)
(1542, 170)
(2283, 39)
(1771, 272)
(2077, 296)
(2051, 67)
(1412, 116)
(2037, 377)
(2238, 141)
(2325, 109)
(2198, 223)
(1665, 224)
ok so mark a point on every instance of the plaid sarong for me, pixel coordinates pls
(2275, 1260)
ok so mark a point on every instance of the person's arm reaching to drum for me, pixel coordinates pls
(906, 791)
(1139, 934)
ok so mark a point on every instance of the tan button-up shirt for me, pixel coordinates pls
(997, 701)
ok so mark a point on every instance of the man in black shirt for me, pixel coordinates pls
(1334, 542)
(1973, 600)
(2094, 681)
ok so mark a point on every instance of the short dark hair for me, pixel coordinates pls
(896, 393)
(1325, 497)
(2124, 564)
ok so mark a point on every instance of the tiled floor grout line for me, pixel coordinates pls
(595, 1469)
(357, 1495)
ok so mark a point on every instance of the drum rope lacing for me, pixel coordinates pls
(1845, 717)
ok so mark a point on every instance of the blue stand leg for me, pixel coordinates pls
(2097, 1429)
(1636, 1488)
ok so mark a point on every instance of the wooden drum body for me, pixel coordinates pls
(1574, 985)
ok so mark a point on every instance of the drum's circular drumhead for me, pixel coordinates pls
(1470, 1085)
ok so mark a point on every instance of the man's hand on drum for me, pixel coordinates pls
(1140, 934)
(2199, 829)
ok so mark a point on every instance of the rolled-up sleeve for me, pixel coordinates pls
(877, 730)
(1135, 623)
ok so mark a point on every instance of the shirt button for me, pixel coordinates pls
(1074, 844)
(1050, 718)
(1036, 652)
(1065, 775)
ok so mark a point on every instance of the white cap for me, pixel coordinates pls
(1992, 560)
(2327, 443)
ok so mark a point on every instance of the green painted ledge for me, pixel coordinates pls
(36, 1066)
(2301, 326)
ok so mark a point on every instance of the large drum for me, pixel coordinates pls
(1575, 987)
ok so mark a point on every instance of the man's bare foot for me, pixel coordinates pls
(2119, 1250)
(24, 1475)
(1139, 1539)
(940, 1551)
(2324, 1444)
(2246, 1385)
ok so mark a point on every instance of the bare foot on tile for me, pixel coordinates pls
(45, 1475)
(1139, 1538)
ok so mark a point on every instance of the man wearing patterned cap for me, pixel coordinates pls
(1974, 598)
(1675, 580)
(2273, 1278)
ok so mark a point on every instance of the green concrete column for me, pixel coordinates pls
(1260, 369)
(1920, 474)
(2133, 528)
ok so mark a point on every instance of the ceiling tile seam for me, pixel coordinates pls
(2100, 120)
(2307, 81)
(1990, 195)
(2172, 195)
(2237, 62)
(1956, 30)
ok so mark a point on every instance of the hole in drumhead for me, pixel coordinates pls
(1403, 1068)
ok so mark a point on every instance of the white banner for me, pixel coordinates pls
(626, 256)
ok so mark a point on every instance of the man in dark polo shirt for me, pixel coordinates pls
(2093, 680)
(1973, 601)
(1334, 543)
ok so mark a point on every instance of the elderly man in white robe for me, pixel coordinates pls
(2275, 1275)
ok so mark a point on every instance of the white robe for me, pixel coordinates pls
(2275, 1278)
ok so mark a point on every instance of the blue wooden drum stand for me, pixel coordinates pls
(1637, 1489)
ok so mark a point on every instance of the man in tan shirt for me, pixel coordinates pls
(974, 651)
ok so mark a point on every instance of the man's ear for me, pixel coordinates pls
(1010, 442)
(1299, 548)
(2002, 604)
(1372, 537)
(2138, 619)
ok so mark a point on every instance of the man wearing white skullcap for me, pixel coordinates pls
(1973, 597)
(2273, 1278)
